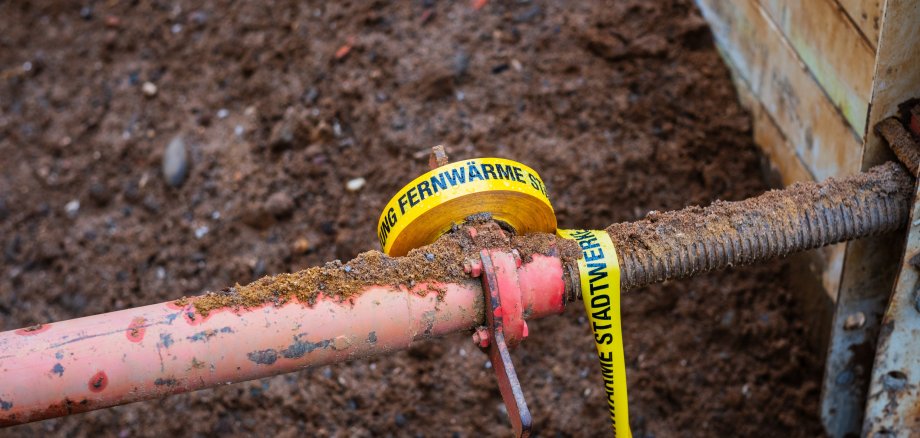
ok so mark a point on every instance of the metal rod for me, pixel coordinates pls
(901, 143)
(684, 243)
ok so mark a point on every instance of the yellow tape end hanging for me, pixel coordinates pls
(599, 270)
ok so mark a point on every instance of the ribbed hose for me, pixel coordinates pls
(680, 244)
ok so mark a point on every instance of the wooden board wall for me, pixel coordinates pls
(804, 69)
(761, 57)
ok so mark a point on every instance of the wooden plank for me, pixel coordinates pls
(832, 47)
(783, 160)
(867, 15)
(809, 120)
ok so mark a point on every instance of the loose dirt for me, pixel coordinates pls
(623, 107)
(441, 261)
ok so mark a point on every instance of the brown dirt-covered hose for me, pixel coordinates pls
(680, 244)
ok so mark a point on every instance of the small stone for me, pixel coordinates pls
(149, 89)
(500, 68)
(222, 113)
(283, 134)
(175, 162)
(99, 193)
(529, 14)
(279, 204)
(355, 184)
(258, 269)
(257, 217)
(72, 208)
(461, 63)
(301, 246)
(239, 130)
(176, 28)
(198, 17)
(201, 231)
(311, 95)
(151, 204)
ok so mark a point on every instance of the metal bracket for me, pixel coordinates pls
(893, 401)
(505, 328)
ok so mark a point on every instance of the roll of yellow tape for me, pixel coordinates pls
(431, 204)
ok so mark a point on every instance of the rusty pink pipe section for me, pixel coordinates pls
(147, 352)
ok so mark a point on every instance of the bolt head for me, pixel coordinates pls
(481, 337)
(854, 321)
(473, 267)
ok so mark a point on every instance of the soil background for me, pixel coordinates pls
(623, 107)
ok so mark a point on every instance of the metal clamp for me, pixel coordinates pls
(505, 328)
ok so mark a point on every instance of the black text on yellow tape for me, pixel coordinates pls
(431, 204)
(599, 270)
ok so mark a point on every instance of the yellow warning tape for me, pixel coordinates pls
(600, 290)
(428, 207)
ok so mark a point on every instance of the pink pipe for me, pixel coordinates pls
(147, 352)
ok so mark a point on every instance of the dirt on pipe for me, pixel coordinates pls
(442, 261)
(292, 124)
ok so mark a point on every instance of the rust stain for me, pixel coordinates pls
(98, 382)
(33, 330)
(65, 407)
(137, 329)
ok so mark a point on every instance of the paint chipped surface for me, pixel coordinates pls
(264, 357)
(165, 382)
(205, 335)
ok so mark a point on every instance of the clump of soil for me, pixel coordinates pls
(623, 107)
